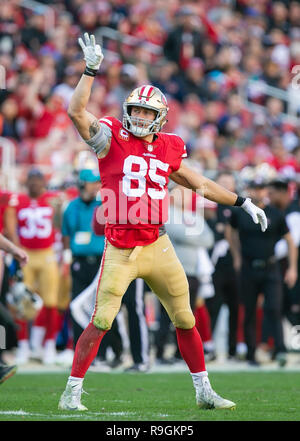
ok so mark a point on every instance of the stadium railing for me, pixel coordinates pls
(252, 88)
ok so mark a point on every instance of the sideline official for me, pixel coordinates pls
(83, 249)
(260, 272)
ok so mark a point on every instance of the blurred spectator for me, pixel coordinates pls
(184, 40)
(195, 82)
(33, 34)
(200, 53)
(8, 119)
(128, 82)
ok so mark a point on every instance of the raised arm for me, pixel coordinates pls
(97, 136)
(215, 192)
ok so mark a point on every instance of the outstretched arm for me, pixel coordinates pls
(215, 192)
(202, 185)
(87, 124)
(19, 254)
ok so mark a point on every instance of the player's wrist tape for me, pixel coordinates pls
(90, 72)
(239, 201)
(67, 256)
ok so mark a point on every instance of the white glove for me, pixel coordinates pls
(258, 215)
(92, 52)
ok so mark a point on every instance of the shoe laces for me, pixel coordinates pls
(77, 391)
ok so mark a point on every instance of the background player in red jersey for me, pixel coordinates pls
(30, 224)
(7, 246)
(135, 162)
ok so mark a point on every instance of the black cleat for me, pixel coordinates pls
(6, 372)
(138, 367)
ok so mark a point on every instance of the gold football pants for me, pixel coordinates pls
(41, 275)
(161, 269)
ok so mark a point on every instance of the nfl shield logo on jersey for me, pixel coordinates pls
(123, 134)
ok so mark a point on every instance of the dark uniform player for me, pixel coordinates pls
(224, 276)
(280, 197)
(260, 272)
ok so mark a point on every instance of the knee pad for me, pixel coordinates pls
(106, 309)
(103, 320)
(184, 320)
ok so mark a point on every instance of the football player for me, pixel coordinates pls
(29, 221)
(135, 162)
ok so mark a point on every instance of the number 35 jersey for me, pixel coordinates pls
(134, 176)
(34, 220)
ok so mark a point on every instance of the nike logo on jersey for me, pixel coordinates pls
(165, 249)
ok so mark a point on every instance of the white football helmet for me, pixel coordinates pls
(149, 97)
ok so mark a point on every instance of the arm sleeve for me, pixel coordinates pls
(100, 140)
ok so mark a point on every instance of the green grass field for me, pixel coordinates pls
(260, 396)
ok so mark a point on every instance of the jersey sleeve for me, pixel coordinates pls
(111, 122)
(179, 151)
(111, 127)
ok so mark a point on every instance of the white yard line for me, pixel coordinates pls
(50, 415)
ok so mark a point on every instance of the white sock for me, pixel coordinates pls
(37, 337)
(50, 345)
(75, 382)
(209, 345)
(198, 377)
(23, 345)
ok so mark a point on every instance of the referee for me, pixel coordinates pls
(254, 253)
(280, 196)
(224, 276)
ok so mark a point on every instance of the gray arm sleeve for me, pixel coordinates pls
(99, 141)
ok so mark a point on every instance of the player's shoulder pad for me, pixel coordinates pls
(176, 142)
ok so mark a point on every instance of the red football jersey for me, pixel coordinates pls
(134, 176)
(35, 220)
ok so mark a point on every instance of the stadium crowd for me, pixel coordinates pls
(227, 68)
